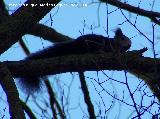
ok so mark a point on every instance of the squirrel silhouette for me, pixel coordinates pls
(89, 43)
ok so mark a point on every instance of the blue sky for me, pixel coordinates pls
(69, 21)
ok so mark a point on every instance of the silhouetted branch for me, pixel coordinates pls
(8, 85)
(86, 62)
(87, 98)
(48, 33)
(150, 14)
(22, 20)
(28, 110)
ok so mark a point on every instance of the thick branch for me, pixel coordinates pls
(6, 80)
(87, 62)
(8, 85)
(48, 33)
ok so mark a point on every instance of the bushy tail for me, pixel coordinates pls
(30, 84)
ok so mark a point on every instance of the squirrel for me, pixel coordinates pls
(89, 43)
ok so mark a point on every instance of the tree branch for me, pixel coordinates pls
(28, 110)
(48, 33)
(150, 14)
(86, 62)
(8, 85)
(22, 20)
(87, 98)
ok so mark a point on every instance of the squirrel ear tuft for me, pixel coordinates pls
(118, 32)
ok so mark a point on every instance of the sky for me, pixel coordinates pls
(72, 21)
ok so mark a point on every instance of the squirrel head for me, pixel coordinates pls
(122, 41)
